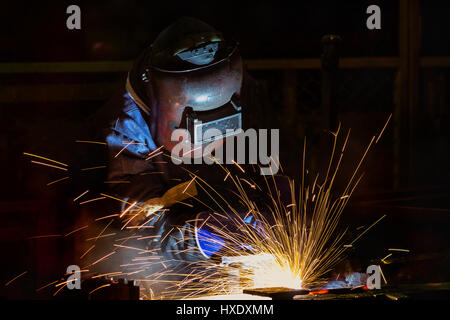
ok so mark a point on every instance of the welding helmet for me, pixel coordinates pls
(194, 81)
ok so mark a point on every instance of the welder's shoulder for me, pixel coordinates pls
(119, 106)
(122, 115)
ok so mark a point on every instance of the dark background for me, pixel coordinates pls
(52, 79)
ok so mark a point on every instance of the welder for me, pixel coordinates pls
(190, 72)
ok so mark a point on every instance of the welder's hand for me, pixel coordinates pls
(152, 205)
(176, 194)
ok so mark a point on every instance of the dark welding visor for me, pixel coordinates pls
(207, 126)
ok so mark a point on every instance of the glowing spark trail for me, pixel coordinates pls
(15, 278)
(370, 227)
(102, 236)
(128, 209)
(45, 236)
(44, 158)
(93, 168)
(49, 165)
(94, 142)
(385, 125)
(87, 251)
(80, 195)
(123, 149)
(103, 258)
(62, 179)
(92, 200)
(292, 243)
(46, 286)
(103, 286)
(76, 230)
(296, 250)
(403, 250)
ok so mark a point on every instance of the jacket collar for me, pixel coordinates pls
(139, 102)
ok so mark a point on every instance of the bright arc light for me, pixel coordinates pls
(202, 98)
(266, 271)
(276, 276)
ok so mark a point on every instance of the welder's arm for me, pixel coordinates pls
(171, 233)
(130, 176)
(208, 234)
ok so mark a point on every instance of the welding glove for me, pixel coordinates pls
(216, 234)
(178, 193)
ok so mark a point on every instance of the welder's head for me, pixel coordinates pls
(194, 82)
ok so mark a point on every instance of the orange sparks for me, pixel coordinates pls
(149, 237)
(64, 283)
(47, 285)
(93, 168)
(101, 236)
(106, 217)
(188, 185)
(248, 182)
(139, 227)
(80, 195)
(127, 247)
(319, 291)
(59, 289)
(136, 143)
(154, 155)
(128, 209)
(103, 286)
(384, 259)
(189, 151)
(127, 238)
(118, 181)
(15, 278)
(131, 219)
(92, 200)
(103, 258)
(126, 146)
(48, 165)
(105, 195)
(45, 236)
(370, 227)
(186, 204)
(134, 272)
(92, 247)
(146, 173)
(144, 224)
(381, 271)
(402, 250)
(94, 142)
(40, 157)
(50, 183)
(150, 155)
(240, 168)
(110, 274)
(385, 125)
(72, 232)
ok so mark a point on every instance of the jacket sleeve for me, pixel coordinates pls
(131, 175)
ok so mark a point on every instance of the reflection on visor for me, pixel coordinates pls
(207, 126)
(209, 131)
(201, 55)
